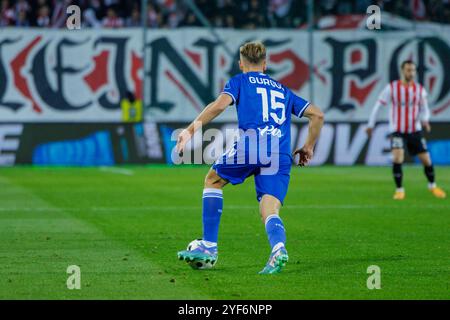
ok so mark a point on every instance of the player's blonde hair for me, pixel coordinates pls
(253, 52)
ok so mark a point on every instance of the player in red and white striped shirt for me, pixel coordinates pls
(407, 115)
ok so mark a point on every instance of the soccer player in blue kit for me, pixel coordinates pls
(264, 106)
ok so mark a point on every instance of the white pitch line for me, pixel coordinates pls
(116, 170)
(29, 209)
(249, 207)
(230, 207)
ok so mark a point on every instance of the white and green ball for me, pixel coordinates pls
(199, 264)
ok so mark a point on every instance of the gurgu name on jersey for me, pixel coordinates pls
(265, 81)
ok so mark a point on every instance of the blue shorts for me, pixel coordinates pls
(267, 180)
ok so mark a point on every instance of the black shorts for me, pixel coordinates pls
(414, 142)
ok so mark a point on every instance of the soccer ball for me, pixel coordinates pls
(199, 264)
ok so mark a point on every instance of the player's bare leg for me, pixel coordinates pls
(428, 168)
(269, 207)
(212, 180)
(398, 156)
(212, 210)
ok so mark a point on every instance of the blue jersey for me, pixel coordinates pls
(265, 105)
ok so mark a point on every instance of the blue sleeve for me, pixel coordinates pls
(232, 89)
(299, 105)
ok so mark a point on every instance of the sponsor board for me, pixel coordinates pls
(89, 144)
(73, 144)
(339, 143)
(10, 135)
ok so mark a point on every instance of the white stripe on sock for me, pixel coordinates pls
(212, 190)
(213, 196)
(271, 217)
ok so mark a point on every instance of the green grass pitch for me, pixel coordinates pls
(123, 228)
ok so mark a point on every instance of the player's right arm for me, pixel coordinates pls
(229, 95)
(381, 101)
(211, 111)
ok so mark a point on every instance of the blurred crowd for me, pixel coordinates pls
(247, 14)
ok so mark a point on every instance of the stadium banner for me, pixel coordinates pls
(91, 75)
(49, 75)
(188, 70)
(104, 144)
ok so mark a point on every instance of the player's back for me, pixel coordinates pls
(261, 102)
(265, 105)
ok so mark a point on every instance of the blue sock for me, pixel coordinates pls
(212, 210)
(275, 231)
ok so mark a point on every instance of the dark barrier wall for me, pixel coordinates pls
(88, 144)
(72, 144)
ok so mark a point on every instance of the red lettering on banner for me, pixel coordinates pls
(136, 65)
(356, 56)
(195, 57)
(20, 81)
(300, 73)
(361, 94)
(99, 75)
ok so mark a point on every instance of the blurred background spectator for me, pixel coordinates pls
(7, 15)
(248, 14)
(112, 20)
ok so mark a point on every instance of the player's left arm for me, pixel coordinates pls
(424, 112)
(208, 114)
(316, 119)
